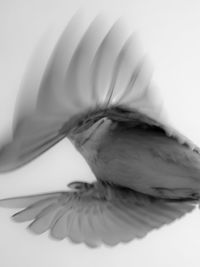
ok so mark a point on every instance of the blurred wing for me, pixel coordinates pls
(92, 67)
(97, 66)
(96, 214)
(31, 138)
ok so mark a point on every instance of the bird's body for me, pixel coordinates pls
(156, 165)
(96, 91)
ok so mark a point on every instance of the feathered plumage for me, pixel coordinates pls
(97, 91)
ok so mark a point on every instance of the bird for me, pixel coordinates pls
(97, 91)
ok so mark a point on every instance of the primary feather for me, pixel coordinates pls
(99, 214)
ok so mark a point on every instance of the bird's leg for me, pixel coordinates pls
(98, 189)
(81, 186)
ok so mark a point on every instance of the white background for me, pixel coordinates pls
(170, 32)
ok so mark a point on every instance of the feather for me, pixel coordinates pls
(115, 216)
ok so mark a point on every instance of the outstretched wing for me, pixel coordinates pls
(93, 67)
(96, 213)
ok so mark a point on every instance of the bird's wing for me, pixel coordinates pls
(97, 66)
(96, 213)
(31, 138)
(93, 67)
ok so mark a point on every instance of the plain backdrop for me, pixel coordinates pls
(170, 32)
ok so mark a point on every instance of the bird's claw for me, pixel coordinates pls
(79, 185)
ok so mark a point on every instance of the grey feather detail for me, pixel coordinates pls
(96, 214)
(31, 138)
(33, 211)
(92, 67)
(23, 202)
(43, 221)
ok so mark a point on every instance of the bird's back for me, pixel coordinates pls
(142, 157)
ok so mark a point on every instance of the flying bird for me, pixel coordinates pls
(97, 91)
